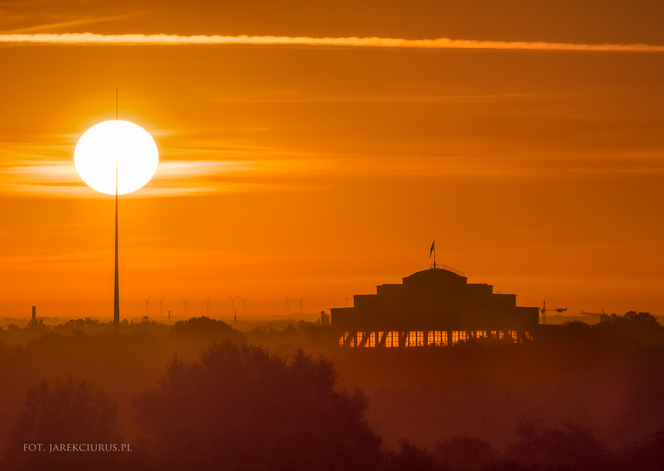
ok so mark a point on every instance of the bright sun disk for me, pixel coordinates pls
(95, 157)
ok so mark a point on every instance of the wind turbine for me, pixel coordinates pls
(147, 304)
(346, 298)
(161, 303)
(232, 303)
(185, 306)
(287, 305)
(244, 305)
(300, 299)
(208, 306)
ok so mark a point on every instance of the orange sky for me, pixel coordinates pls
(322, 171)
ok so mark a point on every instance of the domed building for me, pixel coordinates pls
(432, 307)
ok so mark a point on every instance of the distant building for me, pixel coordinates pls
(432, 307)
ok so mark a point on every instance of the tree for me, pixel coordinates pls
(37, 324)
(67, 413)
(640, 326)
(204, 329)
(239, 408)
(573, 448)
(642, 319)
(466, 453)
(413, 457)
(647, 454)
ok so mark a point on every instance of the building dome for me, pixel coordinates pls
(436, 306)
(438, 273)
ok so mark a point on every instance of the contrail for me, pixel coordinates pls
(373, 42)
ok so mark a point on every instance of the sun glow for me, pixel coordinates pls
(96, 151)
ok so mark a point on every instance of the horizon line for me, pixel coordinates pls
(368, 42)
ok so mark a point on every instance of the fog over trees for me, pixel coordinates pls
(239, 406)
(202, 395)
(64, 413)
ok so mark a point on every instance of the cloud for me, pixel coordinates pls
(372, 42)
(74, 22)
(57, 178)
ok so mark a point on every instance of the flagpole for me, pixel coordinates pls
(433, 249)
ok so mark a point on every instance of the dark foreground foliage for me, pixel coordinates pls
(66, 413)
(537, 449)
(592, 394)
(239, 408)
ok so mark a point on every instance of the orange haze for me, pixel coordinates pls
(322, 171)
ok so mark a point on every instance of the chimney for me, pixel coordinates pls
(34, 313)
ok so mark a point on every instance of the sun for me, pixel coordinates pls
(95, 157)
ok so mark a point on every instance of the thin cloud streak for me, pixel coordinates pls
(76, 22)
(372, 42)
(173, 178)
(192, 178)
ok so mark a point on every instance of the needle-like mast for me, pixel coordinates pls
(116, 297)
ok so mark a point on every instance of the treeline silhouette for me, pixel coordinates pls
(237, 407)
(570, 448)
(586, 397)
(607, 377)
(64, 413)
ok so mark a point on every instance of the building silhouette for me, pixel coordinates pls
(432, 307)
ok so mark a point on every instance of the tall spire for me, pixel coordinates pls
(116, 297)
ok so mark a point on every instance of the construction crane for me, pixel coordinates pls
(594, 314)
(544, 311)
